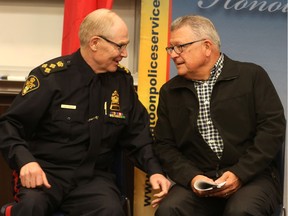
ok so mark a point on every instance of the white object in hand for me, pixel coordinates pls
(204, 185)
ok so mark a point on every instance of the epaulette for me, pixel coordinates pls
(123, 68)
(54, 65)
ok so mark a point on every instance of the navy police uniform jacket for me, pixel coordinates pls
(48, 121)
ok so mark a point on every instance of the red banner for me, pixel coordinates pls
(74, 13)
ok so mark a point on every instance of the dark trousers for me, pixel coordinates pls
(259, 197)
(96, 197)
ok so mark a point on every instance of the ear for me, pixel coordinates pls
(208, 46)
(93, 43)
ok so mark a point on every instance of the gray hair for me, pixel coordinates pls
(98, 22)
(202, 27)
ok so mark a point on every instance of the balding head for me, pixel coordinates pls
(98, 22)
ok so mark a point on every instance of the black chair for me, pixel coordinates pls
(122, 168)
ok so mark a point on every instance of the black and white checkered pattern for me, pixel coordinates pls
(205, 125)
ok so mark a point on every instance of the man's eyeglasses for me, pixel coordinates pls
(179, 48)
(120, 47)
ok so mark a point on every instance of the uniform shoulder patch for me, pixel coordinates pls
(123, 68)
(32, 83)
(53, 65)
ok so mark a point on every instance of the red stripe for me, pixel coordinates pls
(168, 56)
(8, 210)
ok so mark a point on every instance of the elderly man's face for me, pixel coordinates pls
(111, 48)
(193, 53)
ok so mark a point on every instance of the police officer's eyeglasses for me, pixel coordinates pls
(179, 48)
(120, 47)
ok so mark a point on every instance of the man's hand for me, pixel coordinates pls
(233, 184)
(33, 176)
(203, 178)
(159, 182)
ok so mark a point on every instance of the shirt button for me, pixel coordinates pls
(68, 118)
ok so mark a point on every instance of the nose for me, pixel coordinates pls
(173, 54)
(124, 53)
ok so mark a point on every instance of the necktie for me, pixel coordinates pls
(86, 169)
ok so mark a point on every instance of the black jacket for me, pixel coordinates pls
(246, 110)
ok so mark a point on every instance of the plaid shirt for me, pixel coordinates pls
(204, 122)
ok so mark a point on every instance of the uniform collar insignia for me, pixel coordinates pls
(53, 66)
(122, 67)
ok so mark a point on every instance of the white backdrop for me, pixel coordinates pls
(31, 33)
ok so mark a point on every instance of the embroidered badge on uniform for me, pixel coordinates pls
(32, 83)
(115, 105)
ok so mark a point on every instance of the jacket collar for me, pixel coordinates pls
(85, 70)
(229, 70)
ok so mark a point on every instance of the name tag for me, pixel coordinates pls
(67, 106)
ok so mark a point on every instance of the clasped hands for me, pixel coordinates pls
(232, 184)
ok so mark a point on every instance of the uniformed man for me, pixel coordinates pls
(74, 113)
